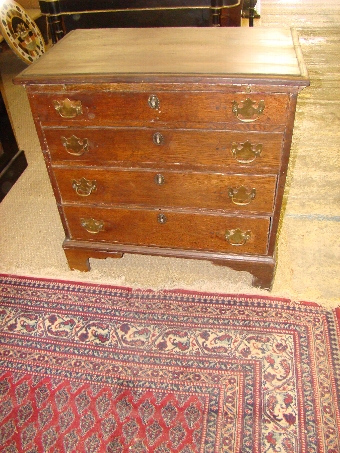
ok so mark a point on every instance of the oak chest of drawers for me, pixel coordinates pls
(169, 141)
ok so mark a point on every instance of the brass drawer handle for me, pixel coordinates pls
(237, 237)
(241, 196)
(93, 226)
(68, 108)
(159, 179)
(248, 112)
(84, 187)
(246, 153)
(161, 218)
(75, 146)
(153, 102)
(158, 138)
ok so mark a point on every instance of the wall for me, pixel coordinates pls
(29, 4)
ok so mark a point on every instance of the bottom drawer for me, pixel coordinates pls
(169, 229)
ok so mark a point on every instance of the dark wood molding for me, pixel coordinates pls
(66, 15)
(12, 160)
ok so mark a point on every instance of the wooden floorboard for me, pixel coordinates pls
(301, 13)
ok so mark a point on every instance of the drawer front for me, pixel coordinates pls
(179, 147)
(167, 189)
(169, 229)
(134, 108)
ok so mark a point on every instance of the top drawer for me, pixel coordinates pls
(191, 109)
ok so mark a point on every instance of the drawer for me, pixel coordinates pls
(165, 147)
(208, 191)
(106, 108)
(175, 230)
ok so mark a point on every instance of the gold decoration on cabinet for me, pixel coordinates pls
(248, 112)
(84, 187)
(75, 146)
(68, 108)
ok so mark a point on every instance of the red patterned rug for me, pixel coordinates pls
(94, 369)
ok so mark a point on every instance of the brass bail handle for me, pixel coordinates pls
(237, 237)
(84, 187)
(75, 146)
(68, 108)
(246, 153)
(92, 226)
(248, 111)
(241, 196)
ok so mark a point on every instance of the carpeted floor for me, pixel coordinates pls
(91, 368)
(308, 247)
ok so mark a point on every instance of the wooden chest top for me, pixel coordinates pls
(226, 55)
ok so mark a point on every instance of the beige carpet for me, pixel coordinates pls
(308, 268)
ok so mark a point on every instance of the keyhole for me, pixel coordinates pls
(153, 102)
(159, 179)
(158, 138)
(161, 218)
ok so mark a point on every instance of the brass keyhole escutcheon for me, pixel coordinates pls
(159, 179)
(158, 138)
(153, 102)
(161, 218)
